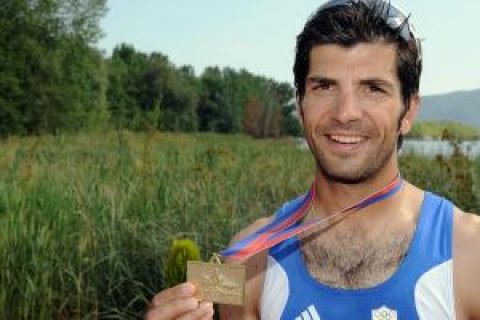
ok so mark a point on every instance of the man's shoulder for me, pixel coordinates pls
(466, 232)
(260, 222)
(468, 223)
(466, 235)
(466, 261)
(257, 224)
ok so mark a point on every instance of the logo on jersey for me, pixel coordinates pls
(384, 313)
(309, 314)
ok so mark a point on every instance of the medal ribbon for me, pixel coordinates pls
(285, 226)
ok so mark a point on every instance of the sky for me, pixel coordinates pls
(259, 35)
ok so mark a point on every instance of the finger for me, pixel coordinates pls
(183, 290)
(204, 311)
(209, 315)
(173, 309)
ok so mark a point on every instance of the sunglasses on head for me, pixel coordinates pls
(392, 15)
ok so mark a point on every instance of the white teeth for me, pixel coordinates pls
(347, 139)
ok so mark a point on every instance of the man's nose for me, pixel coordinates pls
(347, 107)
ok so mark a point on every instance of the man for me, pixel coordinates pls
(412, 255)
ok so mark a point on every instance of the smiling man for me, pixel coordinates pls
(399, 252)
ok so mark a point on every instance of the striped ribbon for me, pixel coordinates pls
(285, 226)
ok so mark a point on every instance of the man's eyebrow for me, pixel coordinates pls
(378, 82)
(317, 79)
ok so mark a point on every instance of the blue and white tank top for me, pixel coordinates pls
(421, 287)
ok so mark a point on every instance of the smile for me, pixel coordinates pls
(347, 139)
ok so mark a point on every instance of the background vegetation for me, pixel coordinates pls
(87, 219)
(53, 79)
(445, 130)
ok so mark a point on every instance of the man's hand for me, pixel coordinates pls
(179, 303)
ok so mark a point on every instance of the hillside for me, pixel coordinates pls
(461, 106)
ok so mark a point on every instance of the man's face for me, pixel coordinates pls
(351, 110)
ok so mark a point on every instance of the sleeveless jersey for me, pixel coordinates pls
(421, 287)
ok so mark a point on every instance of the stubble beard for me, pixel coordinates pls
(367, 170)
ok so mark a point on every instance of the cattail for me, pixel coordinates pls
(181, 251)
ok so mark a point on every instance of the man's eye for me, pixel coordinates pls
(322, 86)
(375, 88)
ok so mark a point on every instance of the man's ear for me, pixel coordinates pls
(410, 116)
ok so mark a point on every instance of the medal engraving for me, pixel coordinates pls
(219, 283)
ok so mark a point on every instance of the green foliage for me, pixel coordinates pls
(291, 124)
(181, 251)
(50, 77)
(125, 69)
(53, 80)
(233, 102)
(452, 177)
(446, 130)
(148, 92)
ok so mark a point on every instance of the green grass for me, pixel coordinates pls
(87, 219)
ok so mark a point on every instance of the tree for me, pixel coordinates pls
(180, 99)
(252, 116)
(148, 91)
(81, 19)
(125, 70)
(290, 121)
(211, 99)
(36, 41)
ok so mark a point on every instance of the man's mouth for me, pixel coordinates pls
(346, 139)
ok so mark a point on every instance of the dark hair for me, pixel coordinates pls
(348, 25)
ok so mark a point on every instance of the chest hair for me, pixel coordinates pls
(350, 259)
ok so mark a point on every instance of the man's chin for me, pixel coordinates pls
(347, 178)
(349, 174)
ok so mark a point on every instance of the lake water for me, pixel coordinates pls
(431, 148)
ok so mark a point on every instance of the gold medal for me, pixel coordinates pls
(217, 282)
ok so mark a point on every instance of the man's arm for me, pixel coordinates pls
(256, 267)
(466, 275)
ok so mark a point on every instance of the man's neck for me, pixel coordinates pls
(331, 196)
